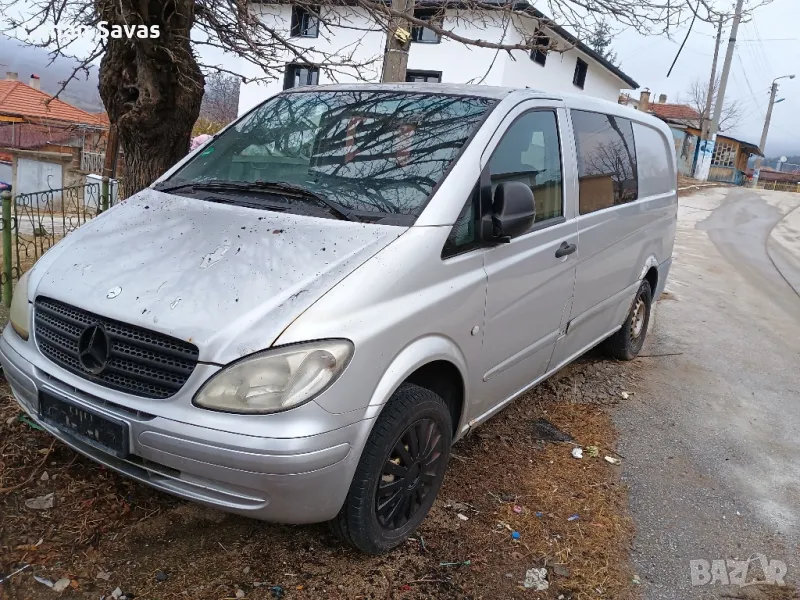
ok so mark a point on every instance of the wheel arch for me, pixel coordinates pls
(432, 362)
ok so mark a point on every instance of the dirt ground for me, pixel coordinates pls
(105, 531)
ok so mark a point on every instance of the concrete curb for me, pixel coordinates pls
(784, 252)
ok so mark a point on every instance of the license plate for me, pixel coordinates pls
(103, 433)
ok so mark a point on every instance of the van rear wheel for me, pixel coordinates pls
(626, 343)
(400, 472)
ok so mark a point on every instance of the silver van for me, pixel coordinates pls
(297, 321)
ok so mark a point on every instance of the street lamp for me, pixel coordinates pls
(763, 145)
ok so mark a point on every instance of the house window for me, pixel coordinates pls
(298, 75)
(305, 23)
(424, 76)
(579, 78)
(724, 154)
(539, 54)
(422, 34)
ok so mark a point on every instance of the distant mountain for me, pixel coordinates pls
(27, 60)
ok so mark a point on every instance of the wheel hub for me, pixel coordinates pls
(412, 468)
(637, 322)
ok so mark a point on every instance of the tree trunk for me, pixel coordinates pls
(151, 88)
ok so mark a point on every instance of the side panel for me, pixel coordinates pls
(617, 243)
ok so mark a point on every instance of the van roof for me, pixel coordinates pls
(578, 101)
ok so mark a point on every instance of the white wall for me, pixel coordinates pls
(362, 42)
(359, 42)
(557, 73)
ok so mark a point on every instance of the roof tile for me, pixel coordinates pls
(21, 100)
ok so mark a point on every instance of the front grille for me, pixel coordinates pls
(141, 362)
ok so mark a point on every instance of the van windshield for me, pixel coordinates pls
(367, 151)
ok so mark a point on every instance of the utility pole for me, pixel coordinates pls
(712, 83)
(707, 146)
(398, 41)
(763, 145)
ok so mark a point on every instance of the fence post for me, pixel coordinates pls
(104, 190)
(8, 285)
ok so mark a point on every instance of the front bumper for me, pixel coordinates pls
(287, 480)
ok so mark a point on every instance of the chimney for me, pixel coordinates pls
(11, 76)
(662, 99)
(644, 101)
(35, 82)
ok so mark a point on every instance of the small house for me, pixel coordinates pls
(729, 161)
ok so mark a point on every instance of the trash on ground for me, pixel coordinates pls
(545, 431)
(459, 506)
(462, 517)
(636, 580)
(240, 594)
(61, 584)
(577, 453)
(613, 461)
(463, 563)
(5, 578)
(43, 581)
(30, 423)
(503, 524)
(41, 502)
(574, 518)
(515, 535)
(276, 591)
(625, 395)
(561, 570)
(104, 576)
(518, 509)
(44, 477)
(592, 451)
(161, 576)
(116, 594)
(536, 579)
(539, 514)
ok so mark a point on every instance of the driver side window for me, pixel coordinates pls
(530, 152)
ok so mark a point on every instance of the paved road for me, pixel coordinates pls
(712, 438)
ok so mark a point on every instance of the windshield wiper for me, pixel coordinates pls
(337, 209)
(296, 191)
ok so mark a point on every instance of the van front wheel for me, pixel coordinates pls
(626, 343)
(400, 472)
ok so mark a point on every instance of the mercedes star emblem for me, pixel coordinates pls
(94, 348)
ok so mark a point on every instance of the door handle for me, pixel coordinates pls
(565, 249)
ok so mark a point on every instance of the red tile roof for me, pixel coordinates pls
(21, 100)
(680, 112)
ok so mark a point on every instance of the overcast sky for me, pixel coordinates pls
(767, 47)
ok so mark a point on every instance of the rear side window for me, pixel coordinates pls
(656, 173)
(607, 168)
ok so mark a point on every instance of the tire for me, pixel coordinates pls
(412, 415)
(626, 343)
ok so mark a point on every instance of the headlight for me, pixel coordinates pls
(20, 314)
(276, 379)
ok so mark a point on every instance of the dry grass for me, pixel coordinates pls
(104, 522)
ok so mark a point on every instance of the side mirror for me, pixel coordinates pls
(513, 210)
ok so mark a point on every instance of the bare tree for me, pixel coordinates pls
(152, 88)
(698, 96)
(221, 98)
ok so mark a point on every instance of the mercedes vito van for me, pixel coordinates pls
(298, 320)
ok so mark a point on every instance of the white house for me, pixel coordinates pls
(350, 31)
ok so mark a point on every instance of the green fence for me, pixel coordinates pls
(34, 222)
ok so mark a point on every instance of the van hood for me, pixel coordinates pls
(226, 278)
